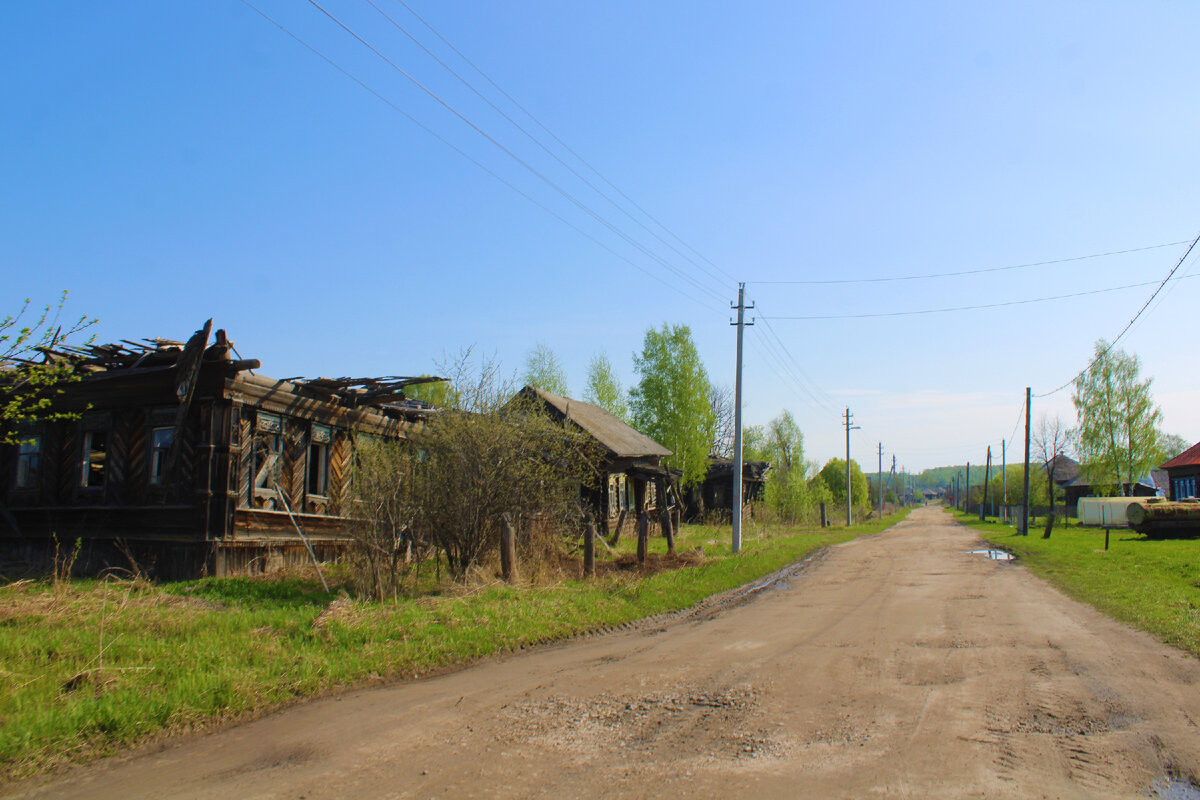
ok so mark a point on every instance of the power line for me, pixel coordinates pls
(1129, 324)
(561, 143)
(527, 134)
(529, 167)
(983, 305)
(363, 85)
(779, 341)
(932, 275)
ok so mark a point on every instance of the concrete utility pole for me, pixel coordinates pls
(737, 420)
(847, 419)
(1025, 505)
(880, 482)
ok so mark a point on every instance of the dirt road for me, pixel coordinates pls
(896, 665)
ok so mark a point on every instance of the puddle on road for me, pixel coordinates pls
(1176, 787)
(994, 555)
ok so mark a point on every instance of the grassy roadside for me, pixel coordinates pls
(1151, 584)
(91, 666)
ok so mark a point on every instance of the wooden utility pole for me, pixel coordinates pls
(1025, 504)
(1004, 478)
(737, 420)
(967, 493)
(987, 476)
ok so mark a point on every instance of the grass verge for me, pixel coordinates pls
(93, 666)
(1151, 584)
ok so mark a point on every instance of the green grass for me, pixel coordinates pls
(185, 655)
(1151, 584)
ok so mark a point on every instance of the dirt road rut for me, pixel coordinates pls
(900, 666)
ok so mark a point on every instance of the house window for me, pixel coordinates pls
(94, 459)
(1185, 487)
(264, 466)
(318, 460)
(161, 440)
(29, 457)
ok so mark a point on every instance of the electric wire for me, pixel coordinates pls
(766, 348)
(1129, 324)
(522, 162)
(396, 24)
(825, 398)
(929, 276)
(560, 142)
(1004, 304)
(362, 84)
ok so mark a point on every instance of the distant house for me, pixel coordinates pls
(1183, 471)
(187, 463)
(631, 477)
(1077, 486)
(714, 495)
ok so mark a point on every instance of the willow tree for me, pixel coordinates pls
(1118, 434)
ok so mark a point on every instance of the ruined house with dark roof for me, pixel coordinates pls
(631, 477)
(184, 462)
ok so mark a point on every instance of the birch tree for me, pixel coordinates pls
(1118, 434)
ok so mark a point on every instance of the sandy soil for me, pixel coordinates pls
(895, 665)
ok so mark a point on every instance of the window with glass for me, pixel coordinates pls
(1185, 487)
(161, 440)
(95, 459)
(29, 461)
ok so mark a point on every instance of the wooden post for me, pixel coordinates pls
(824, 517)
(617, 531)
(589, 550)
(664, 514)
(643, 534)
(508, 550)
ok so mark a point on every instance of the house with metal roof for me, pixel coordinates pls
(1183, 472)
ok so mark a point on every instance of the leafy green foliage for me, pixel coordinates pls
(29, 378)
(544, 371)
(787, 492)
(1118, 435)
(671, 402)
(604, 388)
(833, 477)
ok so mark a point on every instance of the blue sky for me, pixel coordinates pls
(168, 162)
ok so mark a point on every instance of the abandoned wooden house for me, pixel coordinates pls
(631, 476)
(714, 495)
(185, 462)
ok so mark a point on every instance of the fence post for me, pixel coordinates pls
(508, 550)
(643, 534)
(589, 550)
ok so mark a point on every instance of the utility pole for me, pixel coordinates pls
(880, 482)
(848, 419)
(895, 493)
(737, 421)
(1025, 505)
(967, 493)
(1004, 477)
(987, 476)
